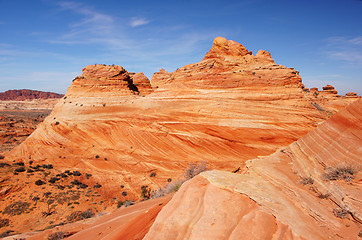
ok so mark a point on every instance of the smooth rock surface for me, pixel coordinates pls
(271, 198)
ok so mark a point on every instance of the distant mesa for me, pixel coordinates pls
(27, 94)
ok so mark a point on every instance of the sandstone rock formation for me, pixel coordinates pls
(329, 89)
(98, 80)
(283, 196)
(142, 83)
(26, 94)
(223, 49)
(230, 107)
(351, 94)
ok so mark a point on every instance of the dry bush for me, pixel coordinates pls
(193, 170)
(4, 222)
(324, 196)
(126, 203)
(57, 236)
(341, 212)
(6, 233)
(79, 215)
(16, 208)
(343, 171)
(306, 180)
(170, 188)
(145, 192)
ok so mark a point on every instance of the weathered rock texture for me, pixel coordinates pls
(26, 94)
(142, 83)
(283, 196)
(230, 107)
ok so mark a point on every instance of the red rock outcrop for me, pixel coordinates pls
(228, 65)
(223, 49)
(98, 79)
(26, 94)
(329, 89)
(142, 83)
(230, 107)
(351, 94)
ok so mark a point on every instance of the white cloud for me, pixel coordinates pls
(345, 49)
(135, 22)
(92, 28)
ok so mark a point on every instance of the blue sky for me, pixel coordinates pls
(44, 44)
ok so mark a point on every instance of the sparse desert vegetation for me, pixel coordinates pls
(343, 171)
(193, 170)
(79, 215)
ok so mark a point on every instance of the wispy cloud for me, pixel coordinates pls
(92, 28)
(135, 22)
(118, 36)
(345, 49)
(118, 40)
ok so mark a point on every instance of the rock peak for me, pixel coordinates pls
(222, 48)
(102, 71)
(101, 79)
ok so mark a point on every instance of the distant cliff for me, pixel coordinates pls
(26, 94)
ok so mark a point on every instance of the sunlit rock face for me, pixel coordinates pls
(228, 108)
(291, 194)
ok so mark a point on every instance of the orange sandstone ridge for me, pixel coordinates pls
(125, 131)
(282, 196)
